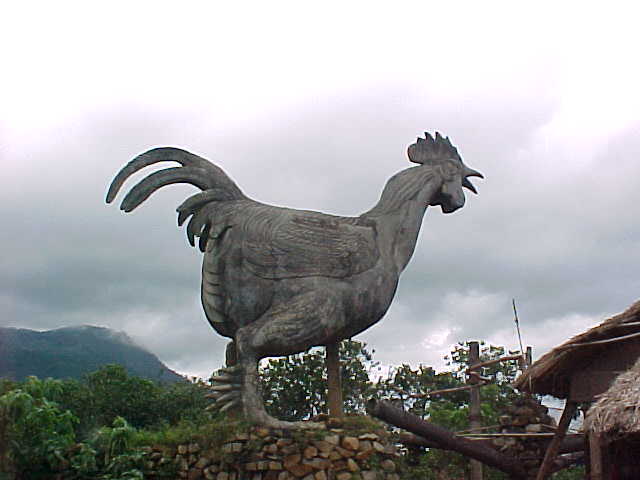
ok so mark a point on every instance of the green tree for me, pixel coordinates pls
(294, 387)
(34, 433)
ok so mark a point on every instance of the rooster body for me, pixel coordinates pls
(278, 281)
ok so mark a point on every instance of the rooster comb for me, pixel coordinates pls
(429, 149)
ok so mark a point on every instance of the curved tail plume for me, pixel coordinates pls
(194, 170)
(215, 185)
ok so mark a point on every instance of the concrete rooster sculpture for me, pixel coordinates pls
(278, 281)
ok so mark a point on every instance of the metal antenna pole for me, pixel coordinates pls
(515, 314)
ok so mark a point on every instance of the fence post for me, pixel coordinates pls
(475, 418)
(334, 383)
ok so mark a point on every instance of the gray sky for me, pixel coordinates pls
(313, 107)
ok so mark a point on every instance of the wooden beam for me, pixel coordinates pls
(444, 438)
(444, 390)
(334, 380)
(493, 362)
(595, 454)
(475, 416)
(553, 448)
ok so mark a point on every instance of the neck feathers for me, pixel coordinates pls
(400, 189)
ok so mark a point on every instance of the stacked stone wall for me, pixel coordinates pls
(266, 454)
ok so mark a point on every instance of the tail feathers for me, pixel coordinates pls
(192, 204)
(195, 170)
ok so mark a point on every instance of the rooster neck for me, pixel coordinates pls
(398, 233)
(400, 210)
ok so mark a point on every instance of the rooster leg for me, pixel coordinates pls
(306, 320)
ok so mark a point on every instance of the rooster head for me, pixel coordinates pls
(443, 157)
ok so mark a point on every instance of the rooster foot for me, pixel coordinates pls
(226, 389)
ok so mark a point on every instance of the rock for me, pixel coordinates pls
(275, 466)
(284, 476)
(290, 460)
(370, 475)
(202, 462)
(262, 432)
(388, 465)
(300, 469)
(183, 449)
(393, 476)
(222, 476)
(271, 448)
(369, 436)
(344, 453)
(334, 455)
(352, 466)
(378, 447)
(533, 428)
(251, 466)
(339, 465)
(520, 421)
(194, 448)
(290, 449)
(334, 422)
(283, 442)
(350, 443)
(194, 474)
(208, 474)
(233, 447)
(182, 463)
(242, 436)
(323, 446)
(504, 420)
(192, 460)
(362, 456)
(365, 445)
(391, 450)
(318, 463)
(332, 439)
(321, 475)
(343, 476)
(310, 452)
(262, 465)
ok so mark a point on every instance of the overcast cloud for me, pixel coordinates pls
(313, 107)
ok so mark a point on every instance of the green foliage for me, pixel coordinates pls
(573, 473)
(294, 387)
(114, 444)
(36, 433)
(41, 422)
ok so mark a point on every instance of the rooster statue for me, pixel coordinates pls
(278, 281)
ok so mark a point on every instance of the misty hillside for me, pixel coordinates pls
(71, 352)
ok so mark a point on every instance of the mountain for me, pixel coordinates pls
(71, 352)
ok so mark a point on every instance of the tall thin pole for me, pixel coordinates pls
(334, 383)
(515, 316)
(475, 418)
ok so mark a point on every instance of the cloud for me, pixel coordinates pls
(316, 114)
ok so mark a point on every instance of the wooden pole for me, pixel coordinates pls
(595, 454)
(552, 450)
(334, 383)
(445, 439)
(475, 418)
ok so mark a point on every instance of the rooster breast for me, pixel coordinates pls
(262, 247)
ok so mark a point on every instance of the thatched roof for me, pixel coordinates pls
(616, 414)
(551, 373)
